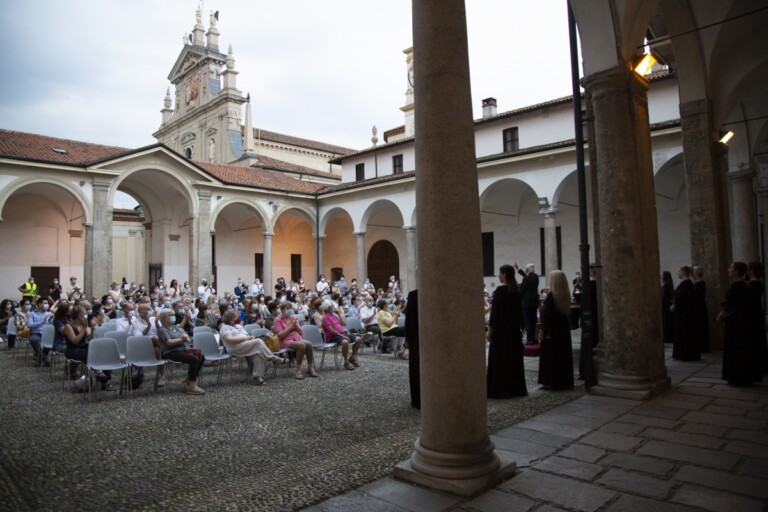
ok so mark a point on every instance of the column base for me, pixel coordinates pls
(631, 387)
(462, 486)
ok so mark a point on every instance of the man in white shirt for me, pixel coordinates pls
(322, 286)
(205, 290)
(144, 325)
(125, 324)
(256, 288)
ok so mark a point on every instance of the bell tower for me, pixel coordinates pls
(204, 123)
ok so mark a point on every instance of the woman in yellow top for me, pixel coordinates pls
(388, 322)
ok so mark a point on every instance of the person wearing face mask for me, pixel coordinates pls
(108, 307)
(240, 343)
(333, 328)
(174, 345)
(78, 334)
(55, 291)
(6, 315)
(125, 323)
(256, 288)
(74, 291)
(37, 317)
(29, 289)
(288, 330)
(322, 286)
(182, 318)
(116, 293)
(252, 315)
(368, 314)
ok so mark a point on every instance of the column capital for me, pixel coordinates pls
(268, 234)
(740, 175)
(358, 234)
(549, 213)
(204, 194)
(101, 183)
(615, 79)
(409, 229)
(321, 237)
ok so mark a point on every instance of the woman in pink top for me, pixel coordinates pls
(335, 333)
(287, 328)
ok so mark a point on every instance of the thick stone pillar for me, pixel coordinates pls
(100, 246)
(704, 161)
(201, 248)
(633, 365)
(762, 201)
(453, 452)
(411, 275)
(744, 218)
(319, 240)
(362, 272)
(267, 281)
(550, 241)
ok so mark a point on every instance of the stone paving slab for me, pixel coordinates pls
(714, 500)
(410, 497)
(747, 448)
(635, 483)
(583, 452)
(570, 467)
(673, 401)
(751, 487)
(655, 410)
(638, 463)
(700, 428)
(534, 436)
(699, 456)
(565, 492)
(555, 428)
(497, 501)
(629, 503)
(757, 468)
(699, 440)
(725, 420)
(748, 435)
(619, 427)
(726, 392)
(355, 501)
(649, 421)
(615, 442)
(522, 447)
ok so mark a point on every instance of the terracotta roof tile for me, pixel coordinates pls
(41, 148)
(371, 181)
(265, 162)
(258, 133)
(258, 178)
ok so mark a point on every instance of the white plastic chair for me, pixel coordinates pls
(140, 352)
(206, 342)
(103, 355)
(313, 334)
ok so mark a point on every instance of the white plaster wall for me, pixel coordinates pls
(663, 101)
(235, 249)
(127, 251)
(35, 232)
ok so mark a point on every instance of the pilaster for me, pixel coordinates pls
(200, 244)
(362, 272)
(411, 275)
(267, 281)
(319, 241)
(633, 364)
(100, 266)
(550, 241)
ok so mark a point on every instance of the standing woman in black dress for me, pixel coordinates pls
(756, 273)
(506, 373)
(700, 307)
(667, 291)
(738, 354)
(556, 356)
(685, 344)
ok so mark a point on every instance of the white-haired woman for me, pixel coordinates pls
(174, 346)
(242, 344)
(335, 333)
(556, 356)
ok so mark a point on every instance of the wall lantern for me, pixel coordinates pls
(725, 137)
(644, 65)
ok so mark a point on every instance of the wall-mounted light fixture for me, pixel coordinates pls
(725, 137)
(644, 65)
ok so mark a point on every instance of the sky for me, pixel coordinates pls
(97, 70)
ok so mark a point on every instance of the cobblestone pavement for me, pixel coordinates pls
(702, 446)
(286, 445)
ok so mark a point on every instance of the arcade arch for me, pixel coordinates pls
(383, 220)
(238, 246)
(294, 249)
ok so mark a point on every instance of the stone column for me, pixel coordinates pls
(267, 281)
(319, 240)
(362, 272)
(550, 241)
(88, 260)
(201, 251)
(411, 279)
(101, 240)
(633, 365)
(453, 452)
(708, 205)
(744, 218)
(762, 201)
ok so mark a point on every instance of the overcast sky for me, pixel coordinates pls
(96, 70)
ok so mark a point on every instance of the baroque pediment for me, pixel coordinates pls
(190, 58)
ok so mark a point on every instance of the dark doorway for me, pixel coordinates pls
(258, 266)
(44, 277)
(295, 267)
(155, 273)
(383, 262)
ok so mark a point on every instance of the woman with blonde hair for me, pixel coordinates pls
(556, 356)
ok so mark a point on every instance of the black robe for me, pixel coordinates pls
(738, 348)
(412, 337)
(701, 314)
(685, 342)
(757, 318)
(666, 315)
(506, 372)
(556, 355)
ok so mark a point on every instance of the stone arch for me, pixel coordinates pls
(329, 216)
(565, 190)
(250, 205)
(377, 207)
(76, 192)
(299, 209)
(180, 185)
(383, 260)
(517, 189)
